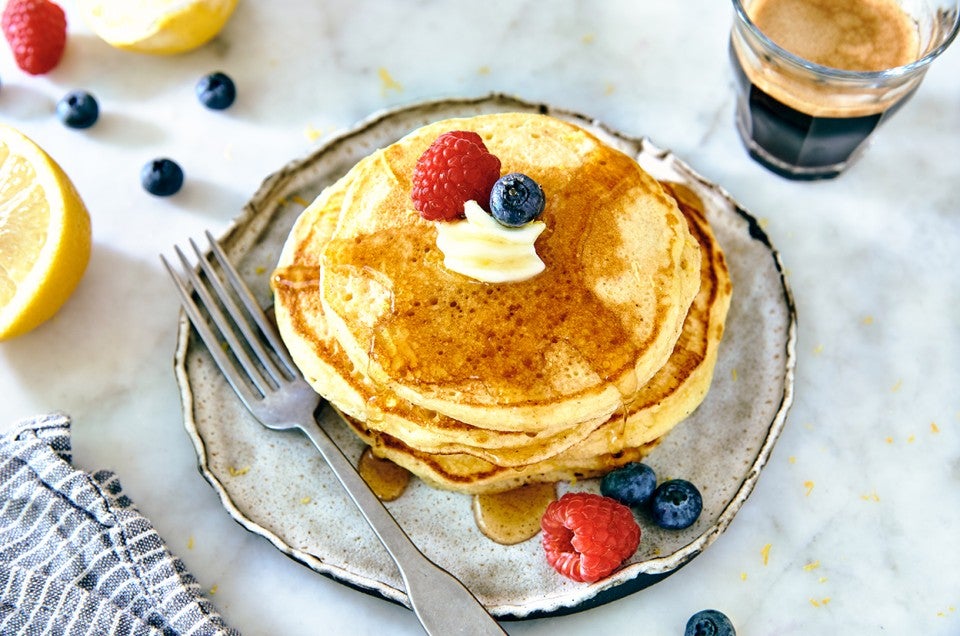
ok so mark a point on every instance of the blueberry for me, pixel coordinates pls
(516, 199)
(709, 623)
(216, 91)
(632, 484)
(676, 504)
(78, 109)
(161, 177)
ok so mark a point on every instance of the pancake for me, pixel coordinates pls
(537, 356)
(432, 445)
(456, 455)
(671, 396)
(682, 383)
(471, 475)
(326, 367)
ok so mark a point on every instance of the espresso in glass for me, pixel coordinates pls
(815, 78)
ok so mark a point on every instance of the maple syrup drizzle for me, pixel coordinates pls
(442, 331)
(386, 479)
(513, 516)
(296, 277)
(508, 517)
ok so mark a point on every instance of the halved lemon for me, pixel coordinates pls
(44, 235)
(161, 27)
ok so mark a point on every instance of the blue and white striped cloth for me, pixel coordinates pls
(75, 555)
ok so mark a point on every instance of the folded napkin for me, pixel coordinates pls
(75, 555)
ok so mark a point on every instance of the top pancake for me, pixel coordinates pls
(562, 348)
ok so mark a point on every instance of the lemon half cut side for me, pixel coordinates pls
(160, 27)
(44, 235)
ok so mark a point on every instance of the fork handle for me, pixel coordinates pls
(441, 602)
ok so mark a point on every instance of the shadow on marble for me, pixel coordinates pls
(120, 76)
(21, 102)
(207, 198)
(120, 129)
(118, 316)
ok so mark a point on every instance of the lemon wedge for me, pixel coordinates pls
(161, 27)
(44, 235)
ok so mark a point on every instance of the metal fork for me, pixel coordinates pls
(270, 385)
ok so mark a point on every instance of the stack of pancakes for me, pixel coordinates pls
(482, 387)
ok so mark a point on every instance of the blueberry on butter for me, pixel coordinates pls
(516, 199)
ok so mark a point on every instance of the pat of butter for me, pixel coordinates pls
(483, 249)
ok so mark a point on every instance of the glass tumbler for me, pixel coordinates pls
(810, 120)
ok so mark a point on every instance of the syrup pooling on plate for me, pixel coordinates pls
(506, 517)
(513, 516)
(386, 479)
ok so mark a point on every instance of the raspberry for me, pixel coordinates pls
(587, 536)
(456, 168)
(37, 33)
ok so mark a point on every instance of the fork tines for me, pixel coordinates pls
(246, 336)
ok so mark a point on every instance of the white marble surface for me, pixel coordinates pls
(860, 503)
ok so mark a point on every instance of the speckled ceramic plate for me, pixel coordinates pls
(277, 486)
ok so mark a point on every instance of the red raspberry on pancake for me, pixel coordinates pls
(456, 168)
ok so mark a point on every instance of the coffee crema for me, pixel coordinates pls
(851, 35)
